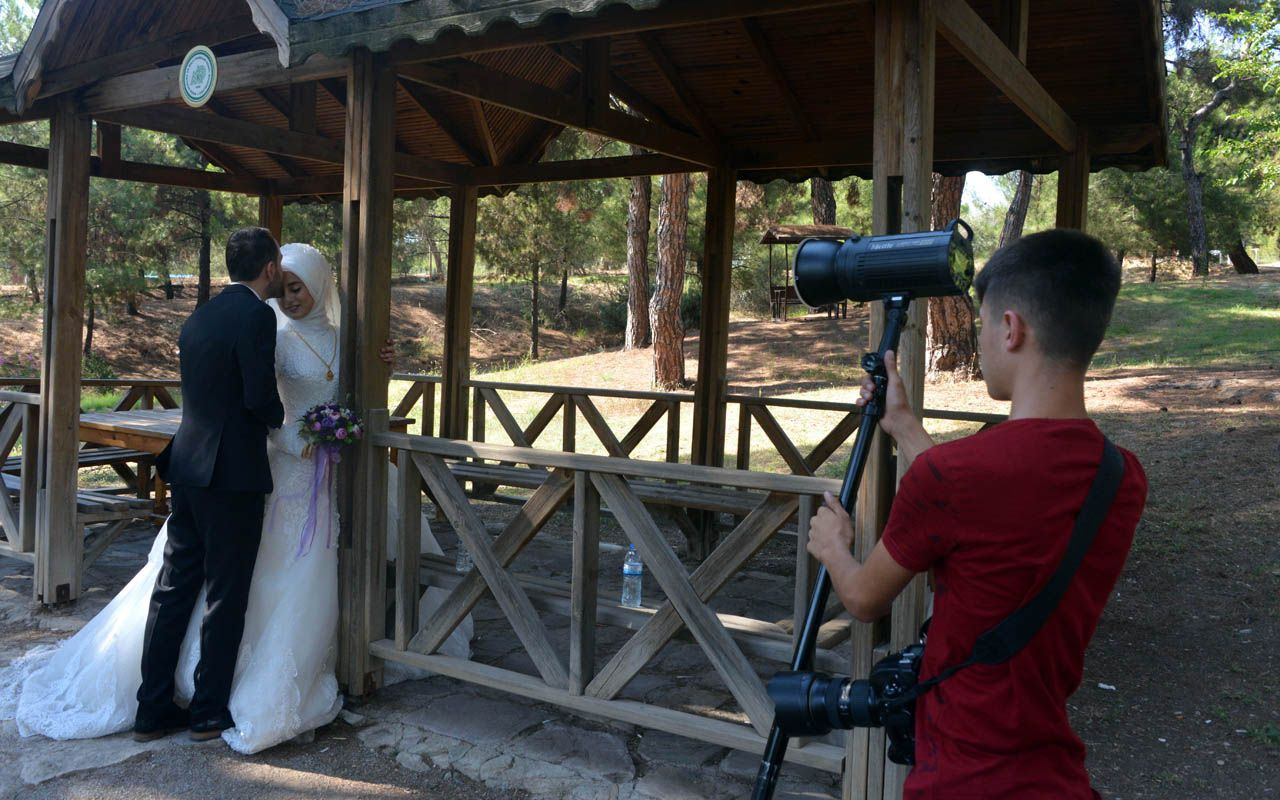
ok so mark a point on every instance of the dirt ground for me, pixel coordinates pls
(1181, 695)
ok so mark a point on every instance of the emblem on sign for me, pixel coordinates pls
(198, 76)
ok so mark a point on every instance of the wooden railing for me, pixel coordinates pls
(573, 679)
(138, 392)
(19, 422)
(571, 402)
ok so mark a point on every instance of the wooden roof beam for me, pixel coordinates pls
(533, 99)
(283, 162)
(582, 169)
(773, 68)
(679, 86)
(423, 100)
(142, 56)
(205, 127)
(969, 35)
(486, 133)
(138, 172)
(620, 88)
(338, 91)
(949, 146)
(252, 70)
(608, 23)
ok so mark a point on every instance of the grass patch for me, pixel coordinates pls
(1194, 324)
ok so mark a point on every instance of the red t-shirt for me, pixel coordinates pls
(991, 514)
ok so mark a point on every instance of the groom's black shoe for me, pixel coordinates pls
(206, 729)
(147, 727)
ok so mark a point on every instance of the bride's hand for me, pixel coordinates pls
(308, 450)
(388, 354)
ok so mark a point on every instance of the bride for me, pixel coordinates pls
(284, 682)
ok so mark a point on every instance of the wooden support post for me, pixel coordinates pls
(30, 469)
(586, 574)
(59, 540)
(713, 341)
(1073, 185)
(902, 164)
(271, 214)
(410, 542)
(459, 288)
(108, 150)
(366, 281)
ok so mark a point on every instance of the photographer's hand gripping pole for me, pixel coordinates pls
(895, 307)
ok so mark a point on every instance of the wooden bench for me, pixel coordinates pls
(103, 516)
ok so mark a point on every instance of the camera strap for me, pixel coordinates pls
(1002, 642)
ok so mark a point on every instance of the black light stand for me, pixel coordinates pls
(895, 308)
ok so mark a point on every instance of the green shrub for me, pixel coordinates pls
(95, 366)
(691, 307)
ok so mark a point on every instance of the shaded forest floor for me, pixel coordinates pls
(1181, 696)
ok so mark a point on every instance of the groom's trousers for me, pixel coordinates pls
(213, 543)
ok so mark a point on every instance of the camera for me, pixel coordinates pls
(926, 264)
(812, 703)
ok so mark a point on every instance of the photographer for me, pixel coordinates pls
(991, 515)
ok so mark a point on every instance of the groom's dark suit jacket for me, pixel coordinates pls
(229, 398)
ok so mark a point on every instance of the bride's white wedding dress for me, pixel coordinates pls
(284, 681)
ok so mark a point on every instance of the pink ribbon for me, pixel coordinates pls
(325, 457)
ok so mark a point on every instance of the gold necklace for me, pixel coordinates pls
(328, 375)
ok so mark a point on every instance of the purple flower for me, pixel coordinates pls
(315, 426)
(340, 433)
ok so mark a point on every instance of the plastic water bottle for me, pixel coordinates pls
(632, 575)
(464, 563)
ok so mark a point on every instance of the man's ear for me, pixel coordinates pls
(1015, 329)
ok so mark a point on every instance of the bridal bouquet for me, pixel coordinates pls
(330, 425)
(326, 429)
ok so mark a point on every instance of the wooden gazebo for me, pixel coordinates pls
(369, 100)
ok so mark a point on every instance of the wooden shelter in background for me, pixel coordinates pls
(364, 101)
(782, 288)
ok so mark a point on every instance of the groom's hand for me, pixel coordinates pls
(388, 354)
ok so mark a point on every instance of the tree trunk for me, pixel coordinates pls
(435, 257)
(1195, 181)
(533, 321)
(1241, 261)
(664, 310)
(564, 292)
(1153, 266)
(169, 292)
(88, 327)
(33, 286)
(1195, 207)
(822, 198)
(206, 214)
(1016, 217)
(637, 334)
(951, 341)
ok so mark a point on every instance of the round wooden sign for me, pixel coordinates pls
(199, 76)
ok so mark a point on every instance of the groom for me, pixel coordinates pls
(217, 468)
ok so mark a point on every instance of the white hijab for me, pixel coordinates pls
(313, 269)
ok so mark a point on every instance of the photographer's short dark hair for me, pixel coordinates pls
(1064, 281)
(248, 251)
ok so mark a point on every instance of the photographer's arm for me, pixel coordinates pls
(899, 420)
(866, 590)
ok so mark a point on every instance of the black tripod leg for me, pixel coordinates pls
(806, 643)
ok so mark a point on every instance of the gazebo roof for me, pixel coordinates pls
(783, 89)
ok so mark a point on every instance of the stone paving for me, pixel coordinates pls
(435, 723)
